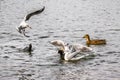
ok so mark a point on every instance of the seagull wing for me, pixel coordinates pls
(80, 57)
(34, 13)
(69, 56)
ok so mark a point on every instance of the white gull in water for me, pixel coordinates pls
(68, 52)
(23, 25)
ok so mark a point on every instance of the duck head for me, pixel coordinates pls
(86, 36)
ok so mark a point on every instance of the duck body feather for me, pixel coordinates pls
(94, 41)
(97, 42)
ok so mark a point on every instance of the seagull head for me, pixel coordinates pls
(60, 51)
(62, 54)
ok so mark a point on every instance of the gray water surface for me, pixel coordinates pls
(67, 20)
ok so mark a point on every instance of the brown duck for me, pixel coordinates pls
(94, 41)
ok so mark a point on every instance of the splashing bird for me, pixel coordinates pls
(68, 52)
(23, 25)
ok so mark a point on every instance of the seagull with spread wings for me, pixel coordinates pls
(23, 25)
(69, 53)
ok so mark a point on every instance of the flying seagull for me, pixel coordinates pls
(23, 25)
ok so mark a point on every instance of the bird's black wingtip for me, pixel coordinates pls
(43, 8)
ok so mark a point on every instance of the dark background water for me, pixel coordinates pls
(67, 20)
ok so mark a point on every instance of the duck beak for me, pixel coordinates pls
(83, 37)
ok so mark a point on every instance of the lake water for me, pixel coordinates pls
(67, 20)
